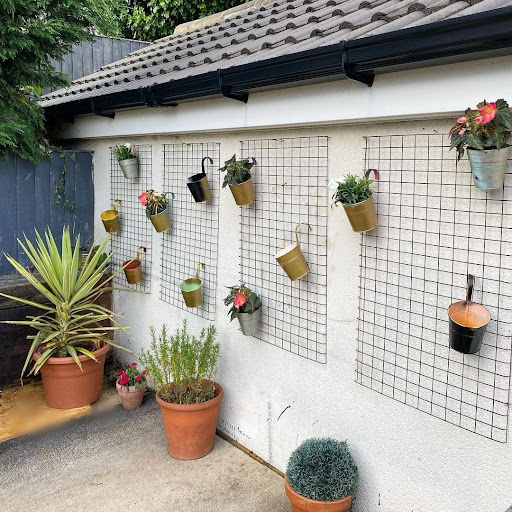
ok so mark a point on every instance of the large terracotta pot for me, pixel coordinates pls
(130, 396)
(301, 504)
(66, 386)
(190, 429)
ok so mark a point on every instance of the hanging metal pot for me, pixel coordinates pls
(110, 218)
(292, 260)
(133, 268)
(130, 168)
(199, 186)
(488, 167)
(243, 192)
(363, 216)
(161, 221)
(249, 322)
(192, 290)
(467, 323)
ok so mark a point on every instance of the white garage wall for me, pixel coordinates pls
(408, 460)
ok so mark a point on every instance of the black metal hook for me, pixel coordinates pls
(202, 162)
(469, 291)
(375, 173)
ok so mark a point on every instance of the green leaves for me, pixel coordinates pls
(353, 190)
(237, 171)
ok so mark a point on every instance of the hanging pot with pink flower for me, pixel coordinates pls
(156, 209)
(131, 386)
(128, 161)
(239, 179)
(485, 133)
(246, 306)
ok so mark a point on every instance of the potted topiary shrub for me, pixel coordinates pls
(156, 209)
(238, 177)
(128, 160)
(131, 386)
(485, 133)
(246, 306)
(321, 476)
(72, 336)
(356, 196)
(182, 368)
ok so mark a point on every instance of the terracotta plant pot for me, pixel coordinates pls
(66, 386)
(161, 221)
(131, 397)
(243, 192)
(190, 429)
(301, 504)
(362, 216)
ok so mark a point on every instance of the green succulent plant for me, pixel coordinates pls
(352, 190)
(322, 470)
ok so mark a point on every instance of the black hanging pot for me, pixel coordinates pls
(468, 322)
(199, 186)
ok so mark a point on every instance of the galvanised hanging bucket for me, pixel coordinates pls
(133, 268)
(249, 322)
(161, 221)
(243, 192)
(467, 322)
(130, 168)
(192, 290)
(199, 186)
(363, 216)
(488, 167)
(292, 260)
(110, 218)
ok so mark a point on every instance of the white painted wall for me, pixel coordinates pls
(408, 460)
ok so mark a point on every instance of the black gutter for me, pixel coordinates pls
(359, 59)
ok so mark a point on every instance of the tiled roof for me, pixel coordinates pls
(261, 30)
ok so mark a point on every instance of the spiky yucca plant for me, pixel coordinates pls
(322, 470)
(71, 323)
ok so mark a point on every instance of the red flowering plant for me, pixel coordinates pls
(155, 203)
(242, 300)
(487, 127)
(132, 376)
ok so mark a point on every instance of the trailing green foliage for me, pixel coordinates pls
(152, 19)
(322, 470)
(124, 152)
(181, 365)
(353, 190)
(237, 171)
(71, 324)
(32, 33)
(242, 300)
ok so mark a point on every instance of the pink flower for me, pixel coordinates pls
(488, 112)
(119, 372)
(134, 364)
(145, 372)
(143, 198)
(461, 133)
(138, 377)
(124, 375)
(479, 120)
(240, 300)
(462, 120)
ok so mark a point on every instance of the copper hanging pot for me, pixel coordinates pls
(468, 322)
(192, 289)
(133, 268)
(110, 218)
(199, 186)
(363, 216)
(292, 260)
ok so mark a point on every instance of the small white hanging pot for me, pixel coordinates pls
(488, 167)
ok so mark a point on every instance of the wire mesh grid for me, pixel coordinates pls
(435, 227)
(290, 181)
(135, 229)
(194, 236)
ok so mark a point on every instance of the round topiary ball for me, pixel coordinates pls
(322, 470)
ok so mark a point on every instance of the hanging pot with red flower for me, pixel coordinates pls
(156, 209)
(246, 306)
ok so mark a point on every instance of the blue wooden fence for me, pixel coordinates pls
(53, 193)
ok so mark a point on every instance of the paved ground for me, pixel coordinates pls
(118, 460)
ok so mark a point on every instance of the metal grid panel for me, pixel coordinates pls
(194, 236)
(435, 227)
(290, 181)
(135, 228)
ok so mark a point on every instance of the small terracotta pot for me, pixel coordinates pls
(190, 429)
(161, 221)
(243, 192)
(362, 216)
(66, 386)
(301, 504)
(131, 397)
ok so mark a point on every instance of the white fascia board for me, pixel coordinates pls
(434, 92)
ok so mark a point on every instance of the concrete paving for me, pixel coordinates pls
(118, 460)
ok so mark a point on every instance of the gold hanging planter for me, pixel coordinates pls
(110, 218)
(133, 268)
(362, 216)
(161, 221)
(292, 260)
(243, 193)
(192, 289)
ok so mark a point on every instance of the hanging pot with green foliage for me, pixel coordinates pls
(156, 209)
(485, 134)
(128, 161)
(239, 179)
(246, 306)
(356, 196)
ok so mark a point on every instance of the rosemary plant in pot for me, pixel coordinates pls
(182, 368)
(246, 306)
(127, 158)
(321, 476)
(156, 209)
(239, 179)
(485, 134)
(356, 196)
(72, 336)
